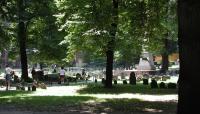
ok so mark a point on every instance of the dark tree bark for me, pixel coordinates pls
(189, 49)
(109, 68)
(165, 55)
(111, 45)
(22, 39)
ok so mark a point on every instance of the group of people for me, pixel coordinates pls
(61, 74)
(9, 74)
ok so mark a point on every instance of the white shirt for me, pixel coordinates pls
(8, 70)
(62, 72)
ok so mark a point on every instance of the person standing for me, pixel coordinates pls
(33, 72)
(8, 72)
(62, 75)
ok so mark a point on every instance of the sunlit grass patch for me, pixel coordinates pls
(44, 103)
(14, 93)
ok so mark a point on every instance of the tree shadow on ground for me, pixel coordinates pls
(119, 89)
(137, 106)
(83, 104)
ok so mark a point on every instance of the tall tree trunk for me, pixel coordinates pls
(189, 49)
(109, 68)
(22, 40)
(165, 55)
(111, 45)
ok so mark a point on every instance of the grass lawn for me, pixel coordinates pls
(22, 100)
(14, 93)
(43, 103)
(136, 105)
(118, 89)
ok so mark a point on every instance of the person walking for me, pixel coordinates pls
(62, 75)
(8, 76)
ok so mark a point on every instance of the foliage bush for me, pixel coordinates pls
(162, 85)
(154, 84)
(125, 82)
(115, 81)
(145, 81)
(171, 85)
(95, 80)
(29, 80)
(132, 78)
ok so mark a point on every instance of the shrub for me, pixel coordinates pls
(132, 78)
(154, 84)
(95, 80)
(145, 81)
(29, 80)
(103, 81)
(115, 81)
(171, 85)
(124, 82)
(162, 85)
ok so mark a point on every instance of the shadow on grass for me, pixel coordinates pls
(135, 105)
(43, 103)
(119, 89)
(81, 104)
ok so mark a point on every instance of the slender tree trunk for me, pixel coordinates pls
(165, 55)
(22, 40)
(189, 49)
(111, 45)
